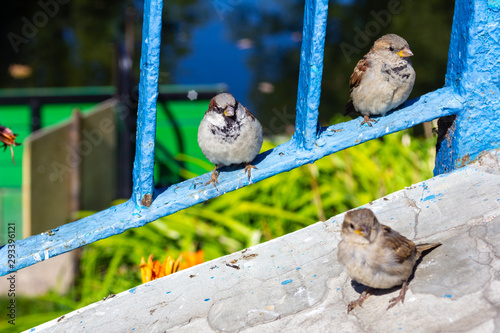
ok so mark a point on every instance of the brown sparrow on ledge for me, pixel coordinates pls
(377, 256)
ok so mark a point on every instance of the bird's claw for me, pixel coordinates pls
(213, 180)
(368, 120)
(399, 298)
(394, 301)
(354, 304)
(362, 298)
(248, 168)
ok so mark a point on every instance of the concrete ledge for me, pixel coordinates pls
(294, 283)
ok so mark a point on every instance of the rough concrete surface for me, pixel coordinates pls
(295, 284)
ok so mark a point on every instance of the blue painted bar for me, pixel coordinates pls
(285, 157)
(311, 70)
(473, 67)
(148, 92)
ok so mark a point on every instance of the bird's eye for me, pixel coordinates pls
(391, 48)
(351, 226)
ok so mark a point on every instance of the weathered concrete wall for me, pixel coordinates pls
(69, 167)
(294, 283)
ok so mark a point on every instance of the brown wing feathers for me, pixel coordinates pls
(354, 81)
(402, 246)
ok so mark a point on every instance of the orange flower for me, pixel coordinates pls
(8, 138)
(192, 259)
(152, 270)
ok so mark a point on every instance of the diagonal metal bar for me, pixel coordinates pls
(148, 93)
(311, 70)
(285, 157)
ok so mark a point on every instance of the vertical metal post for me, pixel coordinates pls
(74, 138)
(311, 70)
(148, 93)
(126, 118)
(36, 121)
(473, 68)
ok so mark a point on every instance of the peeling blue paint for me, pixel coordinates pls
(132, 291)
(310, 75)
(207, 299)
(430, 197)
(287, 281)
(472, 73)
(146, 114)
(494, 4)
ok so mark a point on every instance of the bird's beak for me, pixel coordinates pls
(229, 111)
(406, 52)
(360, 232)
(364, 232)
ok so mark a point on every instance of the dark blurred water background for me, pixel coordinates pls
(252, 46)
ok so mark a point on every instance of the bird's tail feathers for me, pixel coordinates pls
(349, 108)
(425, 247)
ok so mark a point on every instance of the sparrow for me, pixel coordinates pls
(377, 256)
(382, 80)
(229, 134)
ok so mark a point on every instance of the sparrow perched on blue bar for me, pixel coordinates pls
(377, 256)
(229, 134)
(383, 79)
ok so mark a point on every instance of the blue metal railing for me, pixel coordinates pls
(471, 93)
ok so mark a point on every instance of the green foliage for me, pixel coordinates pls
(33, 311)
(271, 208)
